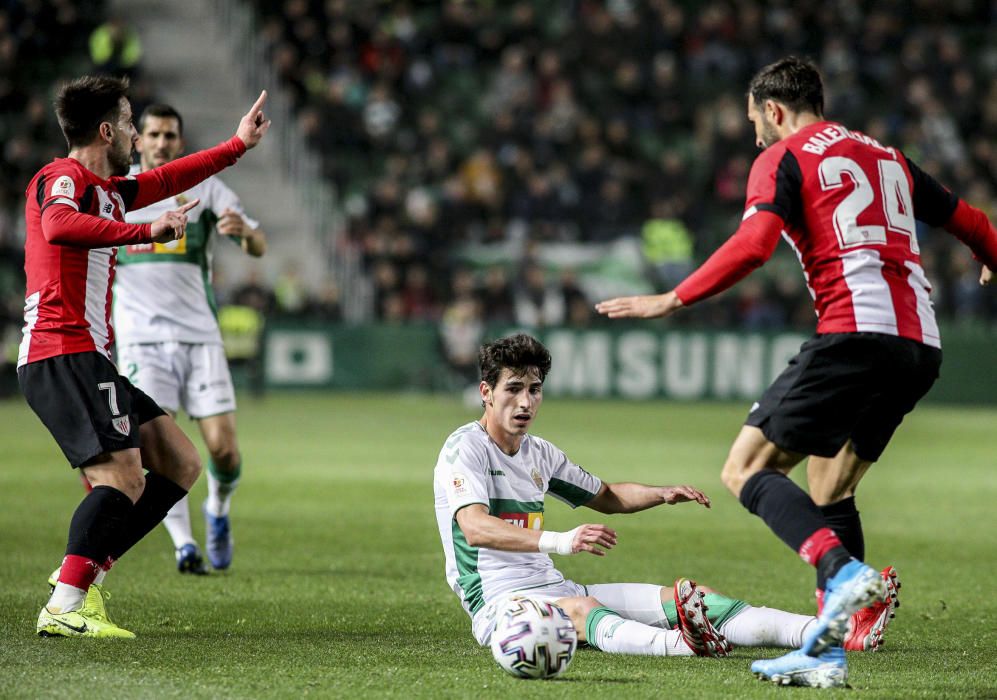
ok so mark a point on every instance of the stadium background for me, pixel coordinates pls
(439, 172)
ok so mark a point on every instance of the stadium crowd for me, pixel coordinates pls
(532, 122)
(444, 123)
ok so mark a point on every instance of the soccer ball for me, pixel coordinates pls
(533, 638)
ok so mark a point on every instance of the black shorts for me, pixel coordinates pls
(843, 386)
(88, 407)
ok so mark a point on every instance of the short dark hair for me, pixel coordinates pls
(163, 111)
(518, 353)
(793, 81)
(83, 104)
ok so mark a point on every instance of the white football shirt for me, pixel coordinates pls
(162, 291)
(472, 469)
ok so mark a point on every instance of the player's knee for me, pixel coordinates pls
(226, 456)
(735, 472)
(132, 484)
(187, 468)
(578, 608)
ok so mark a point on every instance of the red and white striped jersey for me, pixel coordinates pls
(75, 220)
(849, 207)
(68, 304)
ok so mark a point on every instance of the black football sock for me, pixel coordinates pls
(786, 508)
(831, 562)
(96, 523)
(843, 518)
(158, 497)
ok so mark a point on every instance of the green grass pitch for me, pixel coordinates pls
(337, 587)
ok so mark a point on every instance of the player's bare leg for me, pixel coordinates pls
(832, 480)
(751, 453)
(223, 477)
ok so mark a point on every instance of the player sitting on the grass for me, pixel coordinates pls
(490, 481)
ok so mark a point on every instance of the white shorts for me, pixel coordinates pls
(191, 376)
(633, 601)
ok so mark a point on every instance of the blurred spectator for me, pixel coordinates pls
(326, 305)
(115, 48)
(667, 244)
(290, 290)
(461, 332)
(254, 293)
(496, 296)
(537, 302)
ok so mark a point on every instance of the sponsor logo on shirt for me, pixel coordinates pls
(64, 187)
(530, 521)
(177, 247)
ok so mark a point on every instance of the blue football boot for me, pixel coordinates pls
(829, 670)
(218, 540)
(190, 561)
(854, 587)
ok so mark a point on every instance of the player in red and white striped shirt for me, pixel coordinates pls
(848, 206)
(106, 427)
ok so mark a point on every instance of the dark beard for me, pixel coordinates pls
(769, 134)
(120, 163)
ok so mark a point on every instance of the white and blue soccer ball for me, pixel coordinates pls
(533, 638)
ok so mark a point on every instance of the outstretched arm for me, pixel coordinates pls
(181, 174)
(631, 498)
(751, 245)
(483, 530)
(63, 225)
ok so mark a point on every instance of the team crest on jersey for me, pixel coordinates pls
(64, 187)
(122, 424)
(537, 479)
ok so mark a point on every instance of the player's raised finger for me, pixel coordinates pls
(184, 208)
(258, 105)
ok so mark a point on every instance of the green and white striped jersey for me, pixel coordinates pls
(162, 291)
(472, 469)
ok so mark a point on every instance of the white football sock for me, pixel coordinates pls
(766, 627)
(219, 495)
(177, 523)
(616, 635)
(65, 598)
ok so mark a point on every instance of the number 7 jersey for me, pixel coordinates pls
(849, 207)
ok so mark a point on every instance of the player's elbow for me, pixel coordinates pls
(473, 533)
(475, 536)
